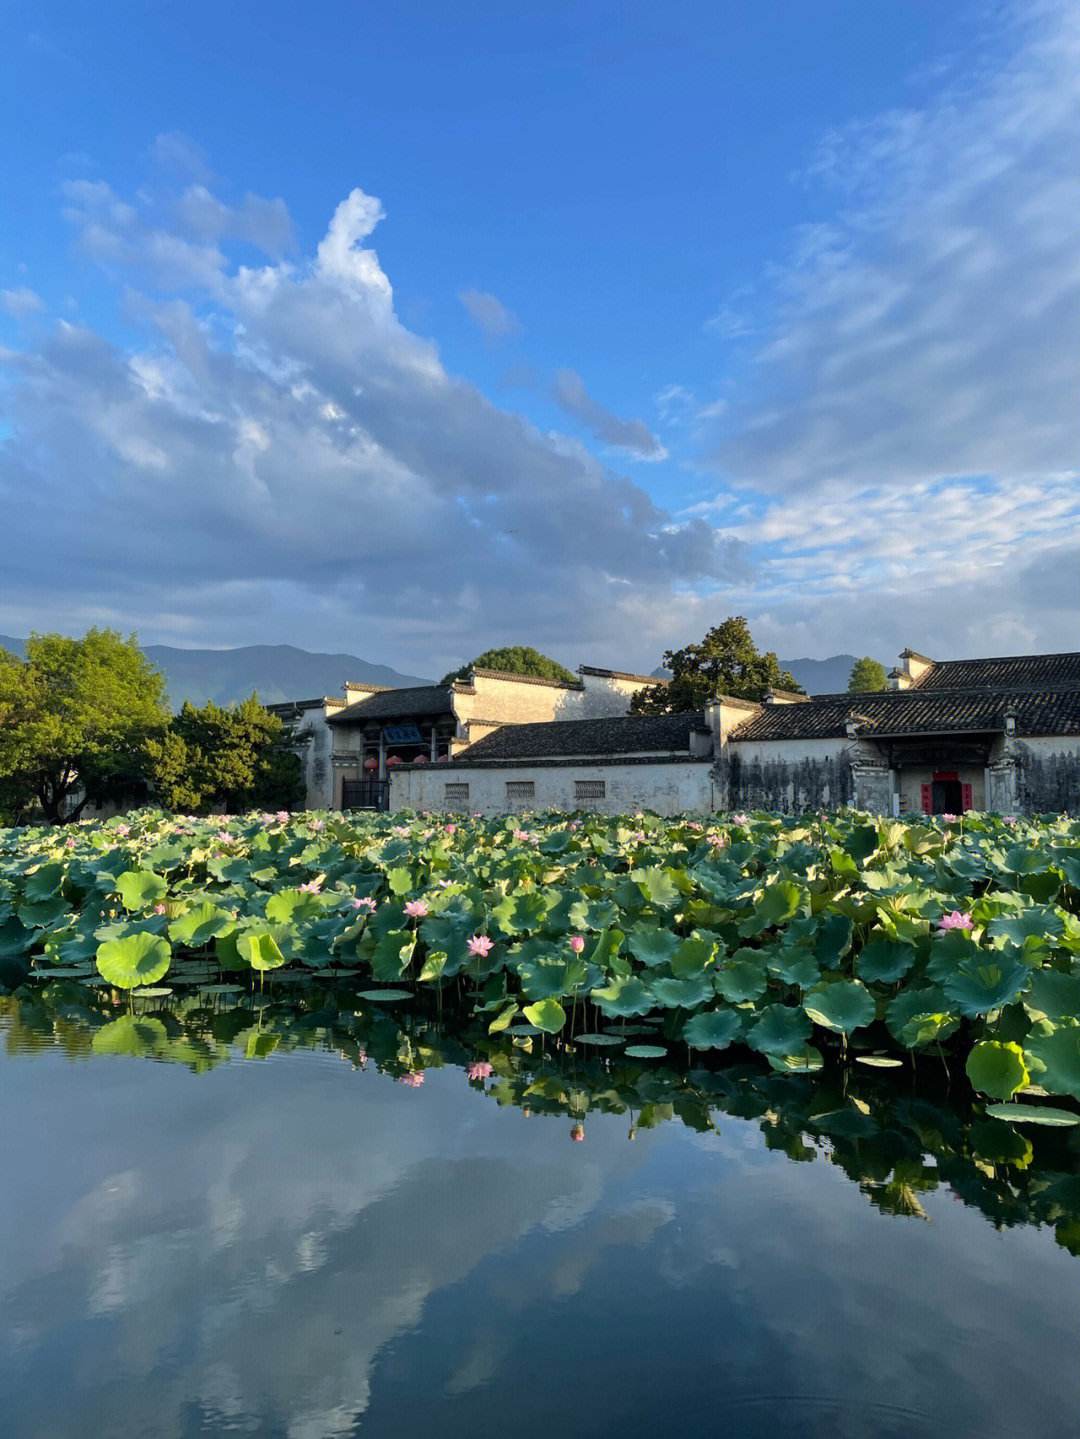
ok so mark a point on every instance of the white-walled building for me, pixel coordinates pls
(947, 736)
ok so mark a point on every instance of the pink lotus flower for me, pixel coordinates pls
(950, 818)
(480, 1069)
(522, 836)
(416, 908)
(718, 841)
(414, 1079)
(367, 904)
(740, 819)
(317, 824)
(223, 836)
(401, 830)
(577, 1134)
(161, 909)
(312, 887)
(480, 945)
(638, 837)
(283, 816)
(956, 919)
(577, 943)
(123, 830)
(1009, 818)
(69, 843)
(693, 824)
(450, 828)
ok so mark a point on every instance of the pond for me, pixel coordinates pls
(300, 1217)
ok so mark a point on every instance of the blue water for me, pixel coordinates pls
(297, 1246)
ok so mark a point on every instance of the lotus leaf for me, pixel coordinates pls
(885, 961)
(141, 888)
(997, 1069)
(1058, 1056)
(547, 1015)
(713, 1029)
(780, 1029)
(134, 960)
(985, 983)
(743, 979)
(843, 1006)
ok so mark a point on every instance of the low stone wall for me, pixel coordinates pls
(677, 787)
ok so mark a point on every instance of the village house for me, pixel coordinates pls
(946, 737)
(351, 746)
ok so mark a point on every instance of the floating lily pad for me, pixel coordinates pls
(152, 991)
(385, 996)
(524, 1029)
(1033, 1114)
(879, 1061)
(62, 972)
(221, 989)
(597, 1039)
(645, 1051)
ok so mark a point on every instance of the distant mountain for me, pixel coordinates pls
(821, 677)
(276, 672)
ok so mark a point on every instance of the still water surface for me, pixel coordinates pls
(304, 1246)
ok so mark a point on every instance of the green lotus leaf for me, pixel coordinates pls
(781, 1029)
(778, 903)
(200, 924)
(651, 945)
(1033, 1114)
(44, 913)
(645, 1051)
(692, 957)
(1040, 922)
(985, 983)
(44, 882)
(598, 1039)
(884, 961)
(917, 1017)
(623, 997)
(843, 1006)
(997, 1069)
(134, 960)
(1054, 995)
(792, 966)
(833, 939)
(386, 996)
(260, 949)
(140, 888)
(292, 905)
(807, 1060)
(1059, 1055)
(548, 1015)
(743, 979)
(551, 978)
(393, 954)
(712, 1029)
(656, 886)
(682, 993)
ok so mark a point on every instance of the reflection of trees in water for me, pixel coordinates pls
(897, 1141)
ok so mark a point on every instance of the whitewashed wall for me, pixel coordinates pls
(666, 788)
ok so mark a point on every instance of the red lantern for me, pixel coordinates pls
(392, 759)
(371, 762)
(420, 759)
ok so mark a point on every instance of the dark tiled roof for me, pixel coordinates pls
(291, 707)
(919, 711)
(621, 675)
(1006, 672)
(620, 734)
(397, 704)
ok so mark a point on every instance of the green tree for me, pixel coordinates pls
(726, 662)
(866, 675)
(76, 717)
(231, 758)
(515, 660)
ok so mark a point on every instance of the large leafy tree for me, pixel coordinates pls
(726, 662)
(76, 719)
(226, 758)
(867, 674)
(515, 660)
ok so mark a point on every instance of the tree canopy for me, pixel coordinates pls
(225, 758)
(76, 719)
(867, 674)
(515, 660)
(725, 662)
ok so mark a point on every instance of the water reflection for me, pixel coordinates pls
(305, 1246)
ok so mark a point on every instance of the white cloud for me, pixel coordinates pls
(634, 436)
(282, 458)
(912, 424)
(489, 314)
(21, 302)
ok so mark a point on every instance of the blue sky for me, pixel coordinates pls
(676, 312)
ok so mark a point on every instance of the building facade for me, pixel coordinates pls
(945, 737)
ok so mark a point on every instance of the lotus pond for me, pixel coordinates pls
(323, 1126)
